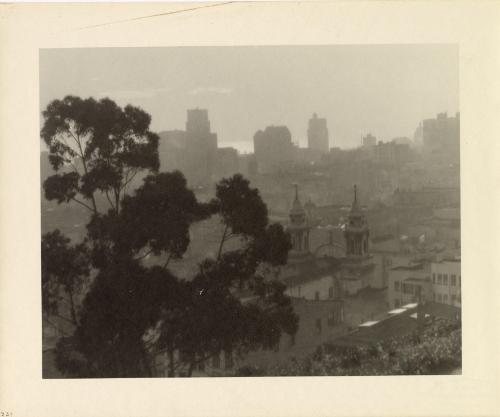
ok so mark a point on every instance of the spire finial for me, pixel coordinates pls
(296, 186)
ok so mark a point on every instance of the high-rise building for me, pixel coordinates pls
(201, 147)
(441, 137)
(273, 149)
(317, 134)
(172, 150)
(369, 140)
(226, 162)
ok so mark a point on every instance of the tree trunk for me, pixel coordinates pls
(117, 201)
(147, 366)
(171, 369)
(191, 367)
(72, 308)
(84, 163)
(222, 243)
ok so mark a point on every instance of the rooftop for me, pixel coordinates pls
(414, 267)
(397, 322)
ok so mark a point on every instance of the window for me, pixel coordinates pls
(433, 278)
(453, 298)
(445, 279)
(440, 279)
(318, 326)
(292, 340)
(396, 303)
(453, 280)
(330, 292)
(332, 318)
(396, 285)
(440, 298)
(445, 298)
(408, 288)
(459, 280)
(316, 295)
(434, 296)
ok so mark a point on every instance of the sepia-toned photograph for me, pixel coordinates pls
(250, 211)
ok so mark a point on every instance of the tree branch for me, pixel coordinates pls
(55, 326)
(83, 204)
(109, 199)
(168, 260)
(222, 242)
(84, 163)
(143, 256)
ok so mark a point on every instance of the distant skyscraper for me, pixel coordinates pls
(201, 146)
(369, 140)
(273, 148)
(317, 134)
(441, 136)
(197, 122)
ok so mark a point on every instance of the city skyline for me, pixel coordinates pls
(206, 262)
(243, 97)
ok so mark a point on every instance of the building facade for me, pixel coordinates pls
(317, 134)
(441, 137)
(409, 284)
(447, 282)
(273, 148)
(201, 147)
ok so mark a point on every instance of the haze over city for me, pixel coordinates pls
(168, 253)
(383, 89)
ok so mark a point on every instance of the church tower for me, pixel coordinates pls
(358, 268)
(356, 233)
(298, 227)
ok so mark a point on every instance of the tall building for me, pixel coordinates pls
(226, 162)
(172, 150)
(369, 140)
(273, 148)
(201, 147)
(317, 134)
(441, 137)
(391, 153)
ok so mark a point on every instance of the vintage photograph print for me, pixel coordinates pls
(250, 211)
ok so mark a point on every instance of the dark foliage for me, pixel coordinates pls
(241, 206)
(435, 351)
(102, 145)
(132, 310)
(64, 270)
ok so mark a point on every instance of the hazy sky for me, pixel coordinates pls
(383, 89)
